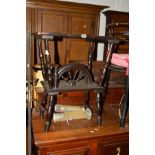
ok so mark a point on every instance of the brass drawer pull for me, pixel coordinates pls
(118, 150)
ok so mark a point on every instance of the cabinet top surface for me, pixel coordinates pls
(115, 12)
(65, 4)
(80, 129)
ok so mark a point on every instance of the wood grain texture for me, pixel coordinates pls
(83, 136)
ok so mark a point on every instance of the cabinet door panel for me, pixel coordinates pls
(80, 24)
(78, 50)
(52, 21)
(120, 18)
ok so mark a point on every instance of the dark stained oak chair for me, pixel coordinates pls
(72, 76)
(119, 62)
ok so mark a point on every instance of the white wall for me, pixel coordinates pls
(118, 5)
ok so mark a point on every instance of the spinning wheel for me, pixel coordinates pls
(69, 77)
(73, 73)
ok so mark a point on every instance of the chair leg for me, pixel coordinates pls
(100, 97)
(43, 104)
(99, 108)
(50, 112)
(125, 105)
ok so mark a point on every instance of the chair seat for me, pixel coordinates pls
(121, 60)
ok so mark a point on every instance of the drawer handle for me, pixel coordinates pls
(118, 150)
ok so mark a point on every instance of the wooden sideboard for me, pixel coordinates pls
(82, 137)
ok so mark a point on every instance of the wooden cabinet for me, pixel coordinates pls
(64, 17)
(118, 17)
(82, 137)
(94, 146)
(77, 50)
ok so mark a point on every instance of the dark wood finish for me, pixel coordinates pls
(116, 77)
(72, 76)
(82, 136)
(125, 106)
(117, 25)
(114, 96)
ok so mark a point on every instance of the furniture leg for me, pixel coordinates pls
(106, 84)
(43, 104)
(125, 105)
(50, 112)
(87, 99)
(99, 107)
(100, 97)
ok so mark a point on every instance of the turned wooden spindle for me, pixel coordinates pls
(103, 76)
(90, 57)
(47, 54)
(48, 62)
(50, 76)
(99, 104)
(55, 77)
(41, 55)
(50, 112)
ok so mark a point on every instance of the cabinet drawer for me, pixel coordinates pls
(115, 149)
(73, 148)
(73, 151)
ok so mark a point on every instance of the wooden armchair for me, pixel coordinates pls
(72, 76)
